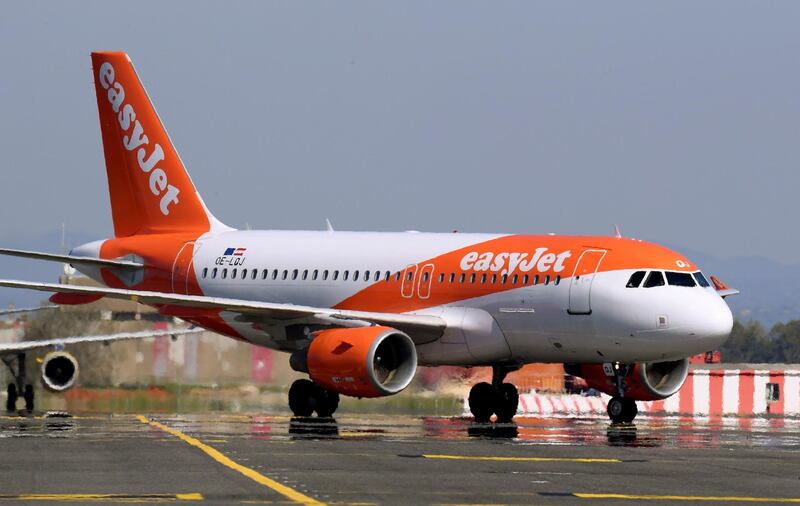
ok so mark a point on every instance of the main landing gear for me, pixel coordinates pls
(306, 397)
(16, 365)
(621, 409)
(497, 398)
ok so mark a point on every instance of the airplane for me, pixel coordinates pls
(360, 311)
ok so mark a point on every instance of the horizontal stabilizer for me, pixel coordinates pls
(73, 259)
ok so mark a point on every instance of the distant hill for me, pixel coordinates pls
(770, 289)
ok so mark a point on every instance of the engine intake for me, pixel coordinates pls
(644, 382)
(360, 362)
(59, 371)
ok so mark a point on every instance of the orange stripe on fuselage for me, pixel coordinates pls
(508, 255)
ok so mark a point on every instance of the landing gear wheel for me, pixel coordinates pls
(482, 401)
(28, 396)
(11, 400)
(622, 409)
(506, 402)
(301, 398)
(326, 401)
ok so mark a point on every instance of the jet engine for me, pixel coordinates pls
(360, 362)
(59, 371)
(644, 381)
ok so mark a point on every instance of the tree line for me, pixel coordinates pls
(751, 342)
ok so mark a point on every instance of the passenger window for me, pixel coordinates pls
(441, 278)
(680, 279)
(461, 278)
(504, 279)
(345, 275)
(377, 276)
(244, 273)
(514, 279)
(483, 279)
(547, 279)
(233, 274)
(525, 279)
(701, 280)
(388, 276)
(314, 275)
(214, 273)
(325, 275)
(536, 279)
(494, 278)
(355, 276)
(410, 275)
(205, 272)
(264, 274)
(557, 280)
(254, 274)
(425, 277)
(285, 274)
(655, 278)
(635, 279)
(275, 274)
(335, 275)
(294, 274)
(397, 276)
(452, 277)
(305, 274)
(224, 273)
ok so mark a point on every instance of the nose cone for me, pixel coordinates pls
(713, 322)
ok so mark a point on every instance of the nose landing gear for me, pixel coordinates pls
(497, 398)
(621, 409)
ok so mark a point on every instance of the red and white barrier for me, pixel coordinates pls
(707, 392)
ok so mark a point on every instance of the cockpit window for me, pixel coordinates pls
(636, 279)
(680, 279)
(655, 278)
(701, 280)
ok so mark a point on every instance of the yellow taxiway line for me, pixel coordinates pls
(524, 459)
(693, 498)
(254, 475)
(83, 498)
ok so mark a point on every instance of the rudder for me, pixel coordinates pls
(149, 188)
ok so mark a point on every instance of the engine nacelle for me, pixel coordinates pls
(360, 362)
(59, 371)
(644, 382)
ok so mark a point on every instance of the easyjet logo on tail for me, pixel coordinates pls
(136, 140)
(507, 263)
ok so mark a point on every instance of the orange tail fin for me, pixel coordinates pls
(149, 187)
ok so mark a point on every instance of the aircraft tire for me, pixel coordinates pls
(506, 402)
(482, 401)
(11, 400)
(301, 398)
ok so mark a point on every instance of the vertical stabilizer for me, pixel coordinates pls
(150, 190)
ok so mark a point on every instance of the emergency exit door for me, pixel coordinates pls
(580, 289)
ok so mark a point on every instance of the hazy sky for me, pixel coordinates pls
(679, 121)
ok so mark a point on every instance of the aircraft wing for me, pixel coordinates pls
(5, 312)
(62, 341)
(74, 259)
(421, 328)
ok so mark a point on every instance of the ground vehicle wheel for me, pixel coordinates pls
(28, 396)
(506, 402)
(301, 397)
(11, 400)
(481, 401)
(326, 401)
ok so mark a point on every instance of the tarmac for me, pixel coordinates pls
(262, 459)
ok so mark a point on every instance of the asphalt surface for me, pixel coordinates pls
(261, 459)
